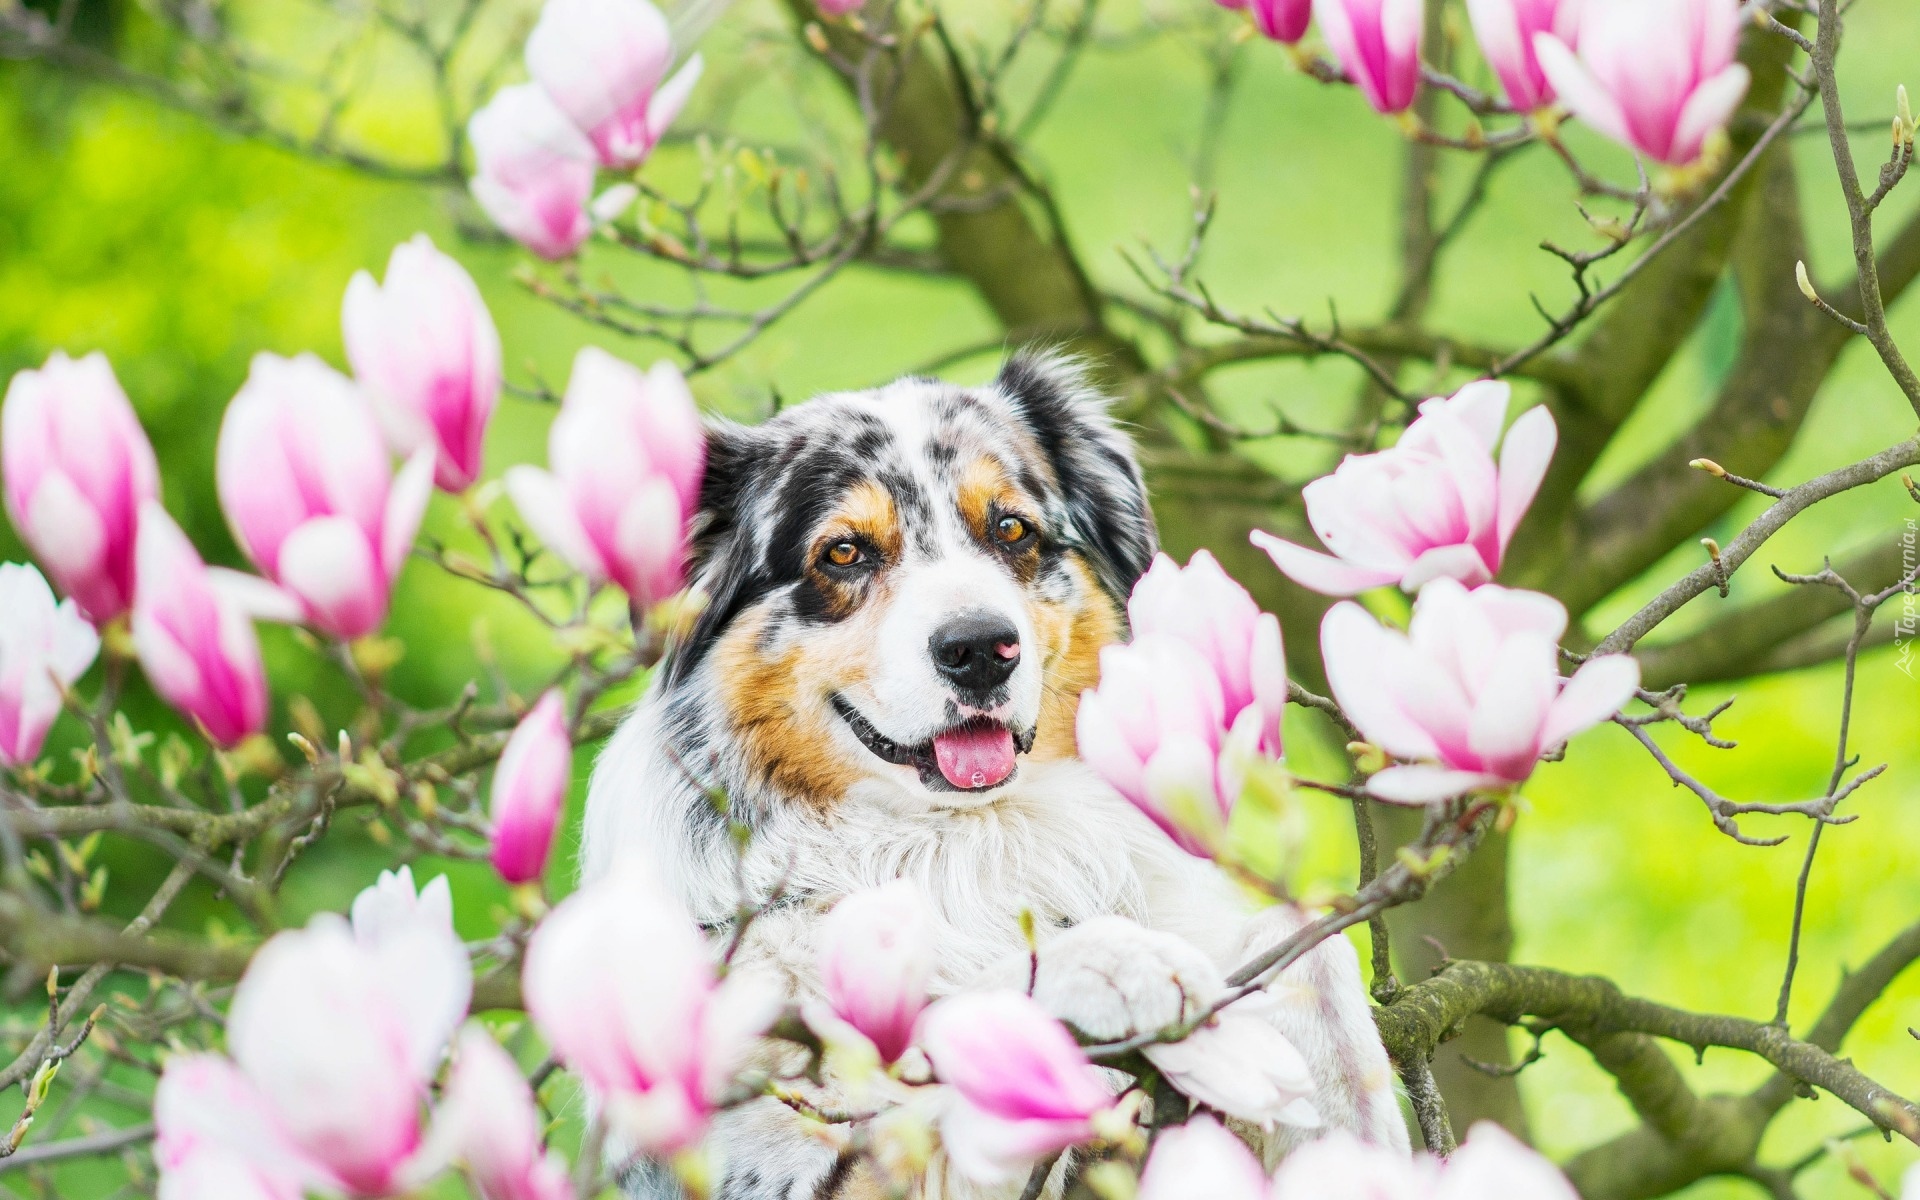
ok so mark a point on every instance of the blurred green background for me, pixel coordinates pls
(180, 251)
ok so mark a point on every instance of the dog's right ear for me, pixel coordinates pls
(723, 563)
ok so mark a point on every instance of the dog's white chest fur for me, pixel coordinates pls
(1130, 926)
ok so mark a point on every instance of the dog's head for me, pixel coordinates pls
(907, 589)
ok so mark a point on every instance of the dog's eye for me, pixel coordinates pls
(1010, 530)
(844, 554)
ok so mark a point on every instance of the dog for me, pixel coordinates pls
(905, 592)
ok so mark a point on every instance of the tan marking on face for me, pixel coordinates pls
(867, 517)
(782, 720)
(982, 486)
(1071, 635)
(983, 495)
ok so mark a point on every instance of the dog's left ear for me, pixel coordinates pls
(723, 558)
(1100, 483)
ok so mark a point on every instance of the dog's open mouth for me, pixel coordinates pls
(969, 757)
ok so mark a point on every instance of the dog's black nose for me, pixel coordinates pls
(976, 652)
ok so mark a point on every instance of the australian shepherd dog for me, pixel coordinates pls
(905, 592)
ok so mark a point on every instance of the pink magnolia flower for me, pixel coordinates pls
(489, 1122)
(198, 1163)
(1241, 1065)
(1378, 45)
(621, 983)
(1204, 607)
(534, 170)
(1492, 1162)
(1472, 690)
(1023, 1089)
(1280, 20)
(1654, 75)
(626, 455)
(213, 1175)
(1505, 30)
(1436, 504)
(1340, 1166)
(529, 788)
(304, 479)
(876, 959)
(1155, 729)
(44, 647)
(602, 61)
(193, 631)
(77, 467)
(839, 8)
(1202, 1161)
(335, 1032)
(425, 350)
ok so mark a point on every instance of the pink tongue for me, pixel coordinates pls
(975, 756)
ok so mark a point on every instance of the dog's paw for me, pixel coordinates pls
(1111, 979)
(1320, 1003)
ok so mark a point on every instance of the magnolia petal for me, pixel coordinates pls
(649, 543)
(1104, 747)
(1462, 563)
(1360, 658)
(1710, 107)
(1421, 784)
(1469, 466)
(1599, 689)
(1202, 1161)
(257, 597)
(989, 1150)
(1182, 796)
(1240, 1065)
(1511, 707)
(328, 564)
(544, 506)
(1524, 457)
(1268, 673)
(1319, 572)
(672, 97)
(1482, 407)
(406, 506)
(1579, 90)
(1492, 1164)
(739, 1011)
(66, 532)
(204, 1100)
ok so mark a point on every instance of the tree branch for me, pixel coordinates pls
(1735, 642)
(1424, 1014)
(1735, 553)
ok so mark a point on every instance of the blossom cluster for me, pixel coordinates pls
(349, 1072)
(1657, 76)
(1470, 694)
(336, 1038)
(600, 96)
(305, 476)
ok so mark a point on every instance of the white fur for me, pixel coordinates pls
(1134, 932)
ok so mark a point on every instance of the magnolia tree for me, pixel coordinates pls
(350, 1057)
